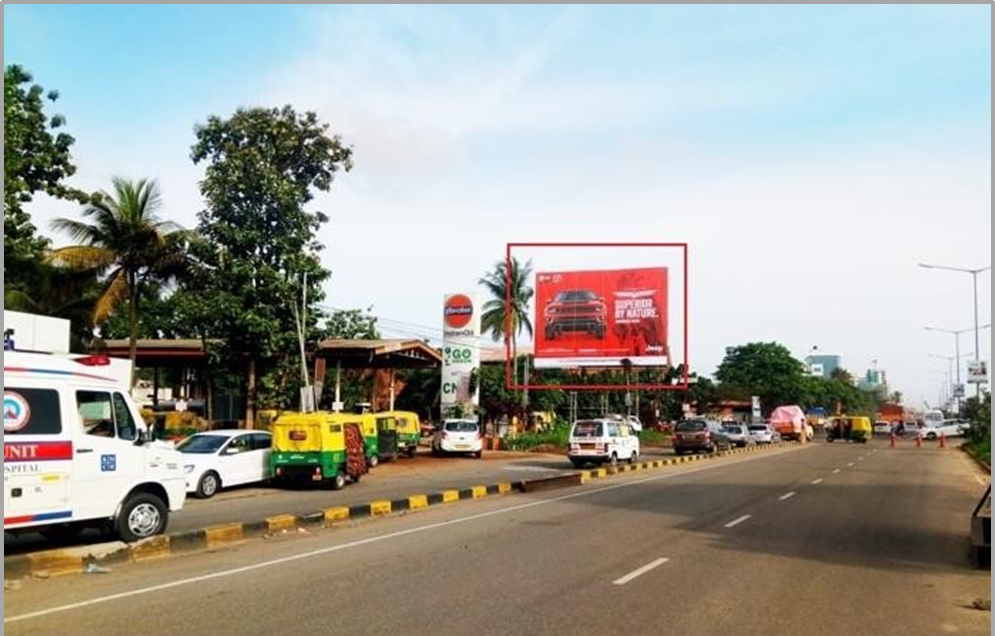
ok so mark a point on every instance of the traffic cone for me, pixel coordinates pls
(893, 440)
(943, 440)
(918, 441)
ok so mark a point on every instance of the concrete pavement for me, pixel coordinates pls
(770, 543)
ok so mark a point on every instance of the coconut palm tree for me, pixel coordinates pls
(127, 244)
(504, 319)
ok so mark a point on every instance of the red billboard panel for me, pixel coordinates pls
(601, 318)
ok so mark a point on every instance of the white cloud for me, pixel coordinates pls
(465, 141)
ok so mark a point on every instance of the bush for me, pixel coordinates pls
(558, 436)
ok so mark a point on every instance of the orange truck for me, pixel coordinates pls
(791, 423)
(892, 413)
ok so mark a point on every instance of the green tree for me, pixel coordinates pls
(59, 293)
(350, 324)
(421, 392)
(127, 244)
(765, 369)
(36, 158)
(979, 413)
(263, 167)
(501, 319)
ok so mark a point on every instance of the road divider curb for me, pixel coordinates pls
(62, 562)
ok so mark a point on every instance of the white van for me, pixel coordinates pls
(601, 441)
(76, 452)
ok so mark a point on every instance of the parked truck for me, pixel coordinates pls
(791, 423)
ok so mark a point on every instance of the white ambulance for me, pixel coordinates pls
(76, 452)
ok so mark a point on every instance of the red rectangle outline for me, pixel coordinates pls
(684, 386)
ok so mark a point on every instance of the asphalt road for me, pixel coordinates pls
(818, 540)
(390, 480)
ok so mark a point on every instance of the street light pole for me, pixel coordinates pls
(956, 333)
(977, 330)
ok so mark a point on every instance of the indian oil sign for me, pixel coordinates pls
(460, 350)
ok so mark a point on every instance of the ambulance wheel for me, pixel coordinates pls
(339, 482)
(142, 516)
(62, 532)
(373, 460)
(209, 485)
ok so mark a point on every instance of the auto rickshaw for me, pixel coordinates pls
(850, 428)
(386, 438)
(321, 447)
(408, 428)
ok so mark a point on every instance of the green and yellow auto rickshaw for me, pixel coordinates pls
(408, 427)
(850, 428)
(320, 447)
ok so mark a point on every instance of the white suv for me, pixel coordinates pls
(603, 441)
(946, 428)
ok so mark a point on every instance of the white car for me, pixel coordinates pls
(222, 459)
(764, 434)
(601, 441)
(882, 428)
(459, 436)
(946, 428)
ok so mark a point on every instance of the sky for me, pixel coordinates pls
(811, 157)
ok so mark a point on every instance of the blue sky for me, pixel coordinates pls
(857, 139)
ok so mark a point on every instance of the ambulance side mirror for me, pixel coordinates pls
(144, 436)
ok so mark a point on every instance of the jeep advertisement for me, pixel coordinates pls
(601, 318)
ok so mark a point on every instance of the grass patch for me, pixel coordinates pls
(982, 449)
(654, 438)
(558, 436)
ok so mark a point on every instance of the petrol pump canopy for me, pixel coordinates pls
(379, 354)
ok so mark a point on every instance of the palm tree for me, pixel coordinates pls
(504, 319)
(127, 244)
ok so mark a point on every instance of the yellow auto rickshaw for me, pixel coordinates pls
(408, 429)
(321, 447)
(852, 428)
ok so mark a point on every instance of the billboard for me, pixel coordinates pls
(601, 318)
(460, 350)
(977, 372)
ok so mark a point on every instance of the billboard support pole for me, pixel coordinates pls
(525, 393)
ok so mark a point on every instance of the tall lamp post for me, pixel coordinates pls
(944, 388)
(977, 330)
(956, 333)
(950, 374)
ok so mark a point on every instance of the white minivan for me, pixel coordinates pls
(76, 452)
(603, 441)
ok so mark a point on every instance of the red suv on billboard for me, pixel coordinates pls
(576, 310)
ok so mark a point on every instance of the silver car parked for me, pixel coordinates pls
(739, 435)
(764, 434)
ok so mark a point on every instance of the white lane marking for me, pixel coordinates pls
(837, 471)
(817, 482)
(850, 465)
(264, 565)
(787, 496)
(635, 574)
(736, 522)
